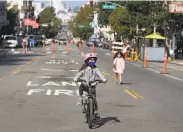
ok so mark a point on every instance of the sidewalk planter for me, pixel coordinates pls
(153, 53)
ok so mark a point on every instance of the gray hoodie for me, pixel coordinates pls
(90, 74)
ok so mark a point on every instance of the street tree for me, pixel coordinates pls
(48, 16)
(13, 17)
(80, 25)
(119, 20)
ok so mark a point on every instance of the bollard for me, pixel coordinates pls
(43, 50)
(132, 55)
(93, 48)
(24, 50)
(52, 47)
(67, 49)
(165, 63)
(113, 51)
(3, 50)
(145, 58)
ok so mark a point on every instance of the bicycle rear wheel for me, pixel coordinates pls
(90, 112)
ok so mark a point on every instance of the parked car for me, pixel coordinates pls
(48, 41)
(62, 41)
(10, 42)
(38, 40)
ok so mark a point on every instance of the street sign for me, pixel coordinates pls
(81, 26)
(44, 25)
(108, 6)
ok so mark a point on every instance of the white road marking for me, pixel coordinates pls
(136, 64)
(48, 92)
(47, 77)
(64, 83)
(176, 78)
(77, 92)
(66, 92)
(56, 70)
(153, 70)
(51, 84)
(108, 54)
(83, 54)
(34, 91)
(43, 69)
(29, 84)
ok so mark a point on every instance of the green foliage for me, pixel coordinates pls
(119, 21)
(83, 18)
(46, 17)
(143, 13)
(13, 17)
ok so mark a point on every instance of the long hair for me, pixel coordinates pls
(119, 52)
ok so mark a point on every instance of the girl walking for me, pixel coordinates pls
(119, 67)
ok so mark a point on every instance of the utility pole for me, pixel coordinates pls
(27, 16)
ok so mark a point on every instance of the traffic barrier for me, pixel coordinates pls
(24, 49)
(132, 55)
(113, 54)
(43, 50)
(145, 58)
(93, 48)
(53, 46)
(67, 48)
(165, 63)
(3, 50)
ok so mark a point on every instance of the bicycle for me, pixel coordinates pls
(90, 103)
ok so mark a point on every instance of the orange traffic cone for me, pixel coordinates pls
(93, 48)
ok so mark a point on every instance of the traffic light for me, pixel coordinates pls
(91, 3)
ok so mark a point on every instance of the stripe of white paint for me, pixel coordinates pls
(108, 54)
(29, 84)
(77, 92)
(48, 77)
(64, 83)
(153, 70)
(48, 92)
(74, 70)
(174, 77)
(51, 84)
(43, 69)
(83, 54)
(34, 91)
(136, 64)
(66, 92)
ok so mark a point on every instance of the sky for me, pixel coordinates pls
(69, 3)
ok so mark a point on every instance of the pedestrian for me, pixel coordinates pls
(119, 67)
(29, 44)
(25, 43)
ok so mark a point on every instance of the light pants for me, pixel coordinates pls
(120, 77)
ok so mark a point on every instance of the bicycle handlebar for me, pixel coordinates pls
(100, 81)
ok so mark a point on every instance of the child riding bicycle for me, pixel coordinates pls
(88, 72)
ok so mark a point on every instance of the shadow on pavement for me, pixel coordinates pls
(17, 59)
(106, 120)
(124, 83)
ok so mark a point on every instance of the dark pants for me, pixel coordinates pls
(84, 88)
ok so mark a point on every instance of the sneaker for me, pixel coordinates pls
(80, 102)
(84, 110)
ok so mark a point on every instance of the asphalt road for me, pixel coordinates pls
(40, 97)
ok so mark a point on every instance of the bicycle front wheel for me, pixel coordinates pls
(90, 113)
